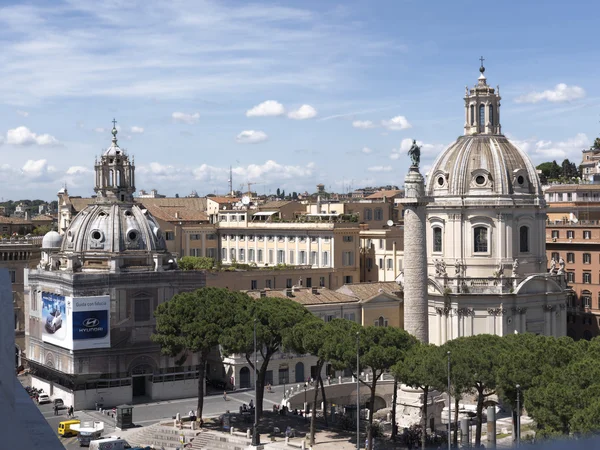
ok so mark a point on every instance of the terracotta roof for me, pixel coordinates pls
(304, 296)
(176, 213)
(364, 291)
(80, 203)
(14, 220)
(277, 204)
(224, 199)
(196, 203)
(389, 194)
(42, 218)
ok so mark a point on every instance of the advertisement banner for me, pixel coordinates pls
(76, 323)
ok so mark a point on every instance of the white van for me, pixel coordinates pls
(109, 443)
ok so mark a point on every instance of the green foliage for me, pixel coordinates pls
(565, 172)
(196, 263)
(41, 230)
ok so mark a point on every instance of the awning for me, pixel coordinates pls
(264, 213)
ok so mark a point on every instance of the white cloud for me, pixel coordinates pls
(78, 170)
(363, 124)
(181, 117)
(380, 169)
(560, 93)
(22, 113)
(302, 113)
(251, 137)
(367, 150)
(138, 130)
(37, 169)
(544, 150)
(24, 136)
(268, 108)
(273, 170)
(396, 123)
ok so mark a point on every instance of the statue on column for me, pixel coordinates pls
(561, 266)
(415, 154)
(552, 265)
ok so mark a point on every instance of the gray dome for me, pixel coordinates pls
(51, 240)
(483, 165)
(113, 228)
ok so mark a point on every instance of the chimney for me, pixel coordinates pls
(177, 215)
(314, 291)
(288, 292)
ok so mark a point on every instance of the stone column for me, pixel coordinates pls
(415, 256)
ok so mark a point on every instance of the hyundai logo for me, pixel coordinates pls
(91, 322)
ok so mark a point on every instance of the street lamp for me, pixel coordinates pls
(255, 435)
(449, 406)
(357, 391)
(305, 404)
(518, 415)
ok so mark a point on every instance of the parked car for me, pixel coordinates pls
(54, 321)
(43, 398)
(59, 402)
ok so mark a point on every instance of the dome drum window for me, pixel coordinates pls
(96, 239)
(133, 235)
(481, 179)
(520, 180)
(441, 180)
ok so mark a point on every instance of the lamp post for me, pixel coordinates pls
(518, 386)
(305, 404)
(449, 406)
(255, 435)
(357, 391)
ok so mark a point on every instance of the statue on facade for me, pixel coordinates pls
(440, 268)
(552, 265)
(415, 154)
(458, 268)
(561, 266)
(515, 268)
(499, 273)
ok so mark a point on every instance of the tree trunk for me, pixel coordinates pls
(456, 405)
(313, 416)
(424, 435)
(320, 380)
(260, 387)
(479, 418)
(201, 377)
(371, 411)
(394, 402)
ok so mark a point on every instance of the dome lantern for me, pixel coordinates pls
(482, 107)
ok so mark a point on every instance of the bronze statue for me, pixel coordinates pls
(415, 154)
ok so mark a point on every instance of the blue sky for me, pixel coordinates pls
(290, 94)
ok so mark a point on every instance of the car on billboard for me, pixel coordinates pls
(54, 321)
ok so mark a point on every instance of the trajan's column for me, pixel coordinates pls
(415, 250)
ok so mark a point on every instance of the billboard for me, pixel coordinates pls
(76, 323)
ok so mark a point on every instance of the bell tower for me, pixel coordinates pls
(482, 107)
(115, 174)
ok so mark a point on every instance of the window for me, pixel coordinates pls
(302, 257)
(380, 263)
(195, 252)
(570, 234)
(348, 279)
(570, 257)
(211, 252)
(569, 196)
(472, 114)
(211, 237)
(555, 234)
(313, 258)
(586, 300)
(194, 237)
(288, 283)
(232, 254)
(169, 235)
(347, 258)
(325, 259)
(380, 244)
(555, 256)
(251, 255)
(291, 260)
(142, 309)
(390, 264)
(322, 281)
(482, 115)
(437, 239)
(223, 218)
(524, 239)
(329, 317)
(368, 214)
(587, 258)
(350, 316)
(587, 234)
(480, 240)
(268, 284)
(224, 254)
(308, 282)
(348, 238)
(242, 254)
(378, 214)
(260, 256)
(491, 114)
(253, 284)
(270, 256)
(280, 256)
(13, 275)
(587, 278)
(369, 263)
(381, 322)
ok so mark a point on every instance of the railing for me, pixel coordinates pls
(22, 240)
(487, 285)
(579, 223)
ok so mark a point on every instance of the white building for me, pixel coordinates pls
(485, 222)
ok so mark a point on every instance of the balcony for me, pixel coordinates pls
(486, 286)
(568, 223)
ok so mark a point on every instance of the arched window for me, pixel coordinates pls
(524, 239)
(110, 177)
(472, 114)
(491, 114)
(482, 115)
(118, 180)
(480, 240)
(437, 239)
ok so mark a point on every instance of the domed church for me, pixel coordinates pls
(91, 300)
(484, 219)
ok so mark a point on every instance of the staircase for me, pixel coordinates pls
(158, 436)
(208, 440)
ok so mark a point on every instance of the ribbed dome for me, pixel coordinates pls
(483, 165)
(51, 240)
(113, 228)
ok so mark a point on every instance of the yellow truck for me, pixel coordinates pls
(64, 428)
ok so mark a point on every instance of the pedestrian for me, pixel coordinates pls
(329, 380)
(225, 395)
(251, 403)
(56, 410)
(72, 411)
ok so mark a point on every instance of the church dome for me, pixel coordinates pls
(113, 228)
(483, 165)
(51, 240)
